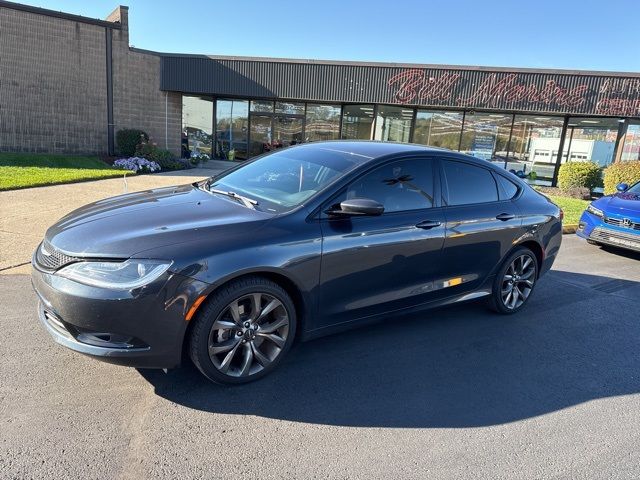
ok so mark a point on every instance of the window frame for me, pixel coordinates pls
(444, 187)
(437, 192)
(519, 188)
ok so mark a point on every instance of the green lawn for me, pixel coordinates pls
(23, 170)
(572, 208)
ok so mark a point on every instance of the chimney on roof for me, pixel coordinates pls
(120, 15)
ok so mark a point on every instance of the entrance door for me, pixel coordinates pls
(260, 134)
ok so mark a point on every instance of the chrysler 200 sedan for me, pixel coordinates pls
(292, 245)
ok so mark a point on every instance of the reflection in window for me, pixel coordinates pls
(486, 135)
(393, 124)
(357, 122)
(630, 144)
(591, 140)
(323, 122)
(438, 129)
(534, 147)
(265, 106)
(231, 129)
(398, 186)
(290, 108)
(197, 124)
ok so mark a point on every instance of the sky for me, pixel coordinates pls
(565, 34)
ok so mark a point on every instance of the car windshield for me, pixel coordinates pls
(282, 180)
(634, 188)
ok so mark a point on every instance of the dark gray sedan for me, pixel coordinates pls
(292, 245)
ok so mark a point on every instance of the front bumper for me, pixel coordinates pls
(596, 229)
(142, 328)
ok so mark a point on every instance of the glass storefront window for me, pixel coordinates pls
(534, 147)
(322, 122)
(486, 135)
(357, 122)
(265, 106)
(393, 124)
(197, 125)
(232, 118)
(630, 143)
(290, 108)
(591, 140)
(438, 129)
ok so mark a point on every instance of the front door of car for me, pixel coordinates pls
(377, 264)
(482, 222)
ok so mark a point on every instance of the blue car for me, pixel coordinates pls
(614, 219)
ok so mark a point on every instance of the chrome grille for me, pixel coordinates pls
(619, 222)
(616, 237)
(51, 259)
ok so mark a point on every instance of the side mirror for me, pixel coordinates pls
(358, 207)
(621, 187)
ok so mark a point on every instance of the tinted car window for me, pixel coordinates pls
(398, 186)
(468, 184)
(509, 189)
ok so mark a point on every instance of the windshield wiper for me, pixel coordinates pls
(246, 201)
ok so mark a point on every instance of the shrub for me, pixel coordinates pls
(137, 164)
(164, 158)
(621, 172)
(579, 174)
(129, 139)
(174, 164)
(197, 158)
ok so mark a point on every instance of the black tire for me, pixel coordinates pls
(501, 284)
(214, 310)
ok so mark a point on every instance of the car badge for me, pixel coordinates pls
(626, 223)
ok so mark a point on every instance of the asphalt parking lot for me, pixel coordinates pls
(553, 392)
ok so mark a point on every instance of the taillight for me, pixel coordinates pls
(561, 216)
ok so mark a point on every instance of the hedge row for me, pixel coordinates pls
(589, 175)
(621, 172)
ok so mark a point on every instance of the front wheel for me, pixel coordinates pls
(514, 282)
(243, 331)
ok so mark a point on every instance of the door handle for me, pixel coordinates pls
(427, 224)
(505, 216)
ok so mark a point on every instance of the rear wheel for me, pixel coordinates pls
(243, 332)
(514, 282)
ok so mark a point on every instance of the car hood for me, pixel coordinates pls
(122, 226)
(622, 203)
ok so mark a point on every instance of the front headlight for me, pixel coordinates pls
(595, 211)
(115, 275)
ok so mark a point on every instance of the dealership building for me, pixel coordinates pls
(68, 83)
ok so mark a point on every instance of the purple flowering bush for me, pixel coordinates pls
(137, 164)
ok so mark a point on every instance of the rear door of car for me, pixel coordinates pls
(482, 221)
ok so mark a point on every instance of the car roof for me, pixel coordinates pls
(369, 150)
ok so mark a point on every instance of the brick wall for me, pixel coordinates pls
(138, 100)
(53, 85)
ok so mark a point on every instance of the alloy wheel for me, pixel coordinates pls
(518, 281)
(248, 335)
